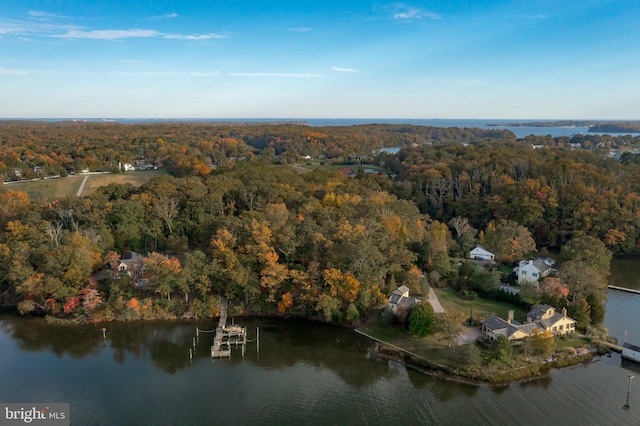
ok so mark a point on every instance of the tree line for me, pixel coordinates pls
(234, 220)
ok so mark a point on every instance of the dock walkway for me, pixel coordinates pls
(225, 336)
(628, 290)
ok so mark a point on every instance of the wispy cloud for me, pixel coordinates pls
(15, 72)
(167, 16)
(531, 16)
(340, 69)
(459, 81)
(404, 12)
(274, 74)
(41, 14)
(44, 24)
(32, 28)
(133, 33)
(204, 74)
(194, 36)
(153, 74)
(299, 29)
(109, 34)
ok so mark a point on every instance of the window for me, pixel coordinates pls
(534, 275)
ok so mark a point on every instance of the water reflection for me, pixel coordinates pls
(34, 335)
(283, 344)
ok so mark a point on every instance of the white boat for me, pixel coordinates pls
(631, 352)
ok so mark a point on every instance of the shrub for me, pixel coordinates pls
(422, 320)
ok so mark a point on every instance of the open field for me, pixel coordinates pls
(49, 189)
(52, 189)
(320, 164)
(481, 307)
(134, 178)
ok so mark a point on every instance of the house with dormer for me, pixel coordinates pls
(532, 271)
(132, 264)
(400, 301)
(541, 317)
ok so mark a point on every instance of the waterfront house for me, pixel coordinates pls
(541, 317)
(132, 264)
(481, 253)
(531, 271)
(400, 301)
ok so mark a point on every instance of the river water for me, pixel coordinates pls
(141, 374)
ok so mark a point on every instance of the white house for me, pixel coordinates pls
(481, 253)
(531, 271)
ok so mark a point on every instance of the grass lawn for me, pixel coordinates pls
(49, 189)
(317, 164)
(134, 178)
(428, 347)
(52, 189)
(481, 307)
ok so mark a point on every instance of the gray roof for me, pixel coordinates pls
(395, 297)
(543, 265)
(495, 323)
(538, 311)
(408, 301)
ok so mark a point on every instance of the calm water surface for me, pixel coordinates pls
(304, 374)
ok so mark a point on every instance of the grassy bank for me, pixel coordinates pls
(432, 355)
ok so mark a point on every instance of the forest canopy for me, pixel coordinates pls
(233, 217)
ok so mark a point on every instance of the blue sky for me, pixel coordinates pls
(545, 59)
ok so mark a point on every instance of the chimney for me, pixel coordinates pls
(529, 320)
(564, 312)
(510, 317)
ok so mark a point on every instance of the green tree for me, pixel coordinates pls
(590, 251)
(422, 319)
(542, 342)
(472, 355)
(502, 349)
(582, 280)
(450, 325)
(581, 312)
(509, 240)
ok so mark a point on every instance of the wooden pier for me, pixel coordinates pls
(628, 290)
(227, 335)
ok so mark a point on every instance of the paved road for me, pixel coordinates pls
(84, 181)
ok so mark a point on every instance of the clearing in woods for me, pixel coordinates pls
(48, 190)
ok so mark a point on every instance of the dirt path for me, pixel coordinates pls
(435, 302)
(84, 181)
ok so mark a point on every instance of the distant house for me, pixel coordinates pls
(125, 167)
(400, 301)
(531, 271)
(132, 264)
(481, 253)
(541, 317)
